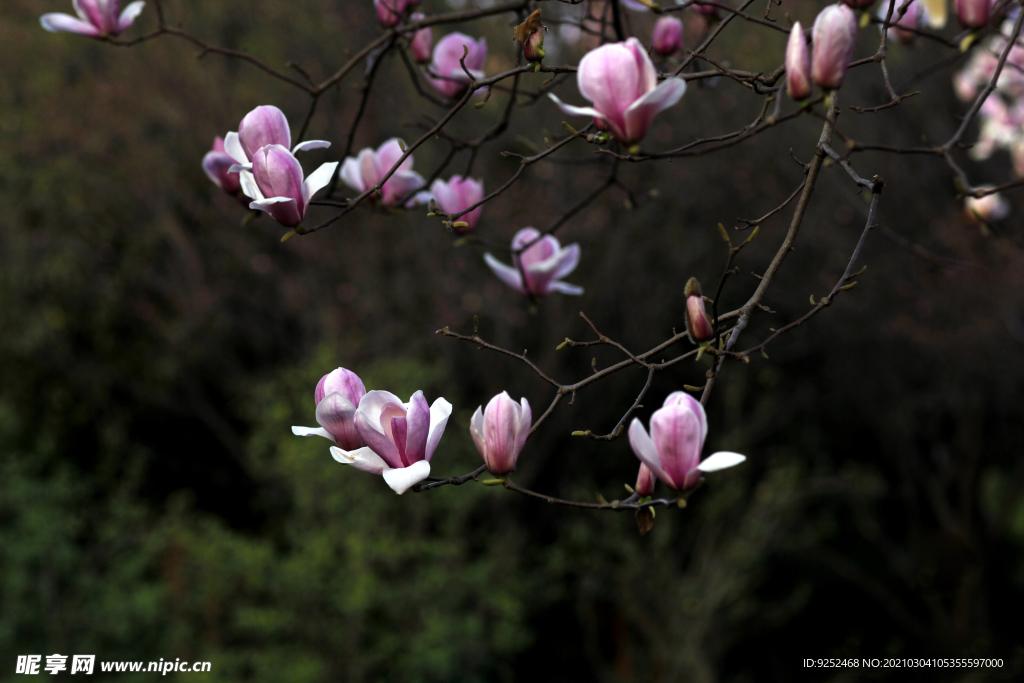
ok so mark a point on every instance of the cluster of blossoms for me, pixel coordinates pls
(376, 432)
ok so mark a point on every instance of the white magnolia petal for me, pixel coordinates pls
(362, 459)
(265, 204)
(644, 449)
(310, 144)
(506, 273)
(56, 22)
(720, 461)
(129, 14)
(440, 411)
(351, 175)
(249, 186)
(403, 479)
(574, 110)
(238, 168)
(564, 288)
(318, 180)
(476, 430)
(312, 431)
(233, 148)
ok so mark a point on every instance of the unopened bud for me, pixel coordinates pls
(833, 35)
(798, 65)
(698, 325)
(422, 42)
(667, 37)
(645, 480)
(533, 48)
(973, 13)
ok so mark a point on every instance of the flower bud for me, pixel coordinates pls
(389, 12)
(500, 432)
(645, 480)
(533, 48)
(991, 207)
(422, 42)
(834, 35)
(667, 38)
(973, 13)
(216, 164)
(798, 65)
(698, 325)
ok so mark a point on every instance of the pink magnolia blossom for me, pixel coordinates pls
(500, 432)
(400, 437)
(673, 447)
(973, 13)
(446, 73)
(276, 185)
(834, 34)
(458, 194)
(336, 397)
(645, 481)
(421, 44)
(217, 163)
(991, 207)
(667, 36)
(798, 65)
(905, 15)
(365, 171)
(95, 18)
(390, 12)
(264, 125)
(698, 324)
(621, 82)
(542, 264)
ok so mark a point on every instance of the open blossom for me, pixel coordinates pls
(458, 194)
(445, 71)
(264, 125)
(991, 207)
(621, 82)
(400, 437)
(276, 185)
(667, 37)
(390, 12)
(542, 264)
(365, 171)
(336, 397)
(217, 163)
(95, 18)
(833, 34)
(798, 64)
(500, 432)
(673, 447)
(421, 44)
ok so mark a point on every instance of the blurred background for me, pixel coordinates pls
(155, 352)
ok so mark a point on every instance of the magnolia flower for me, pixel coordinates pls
(446, 73)
(422, 42)
(698, 324)
(365, 171)
(390, 12)
(500, 432)
(833, 34)
(973, 13)
(1000, 127)
(458, 194)
(913, 15)
(336, 396)
(798, 64)
(672, 449)
(95, 18)
(275, 183)
(542, 264)
(217, 163)
(645, 481)
(991, 207)
(400, 437)
(620, 80)
(265, 125)
(667, 37)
